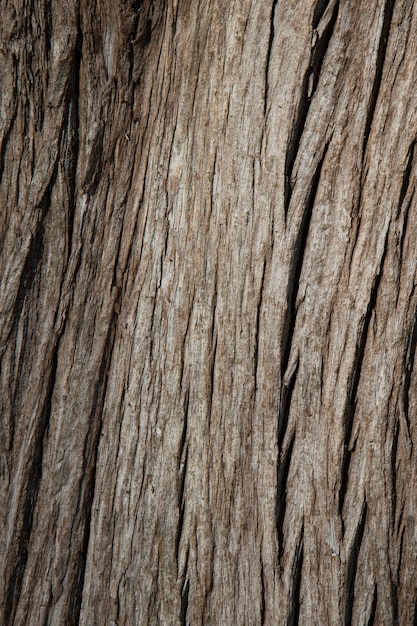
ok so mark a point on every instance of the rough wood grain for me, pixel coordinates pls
(208, 312)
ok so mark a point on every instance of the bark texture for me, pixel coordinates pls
(208, 331)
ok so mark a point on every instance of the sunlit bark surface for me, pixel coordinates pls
(208, 231)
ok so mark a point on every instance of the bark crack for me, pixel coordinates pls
(379, 66)
(280, 505)
(269, 53)
(34, 474)
(406, 176)
(320, 43)
(296, 264)
(350, 405)
(352, 564)
(296, 574)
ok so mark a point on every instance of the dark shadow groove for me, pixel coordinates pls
(280, 504)
(319, 11)
(295, 139)
(22, 537)
(296, 265)
(6, 139)
(406, 176)
(184, 603)
(32, 262)
(394, 450)
(294, 611)
(320, 48)
(263, 596)
(372, 616)
(95, 163)
(73, 132)
(352, 564)
(394, 596)
(379, 66)
(181, 507)
(350, 405)
(268, 55)
(257, 327)
(309, 86)
(285, 405)
(184, 428)
(407, 375)
(82, 516)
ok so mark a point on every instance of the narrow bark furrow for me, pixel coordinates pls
(309, 85)
(406, 180)
(24, 523)
(184, 603)
(404, 399)
(263, 595)
(82, 518)
(372, 616)
(283, 469)
(269, 54)
(295, 581)
(319, 10)
(379, 66)
(352, 564)
(296, 264)
(287, 390)
(356, 371)
(208, 388)
(258, 323)
(181, 508)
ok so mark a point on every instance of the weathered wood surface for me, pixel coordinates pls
(208, 313)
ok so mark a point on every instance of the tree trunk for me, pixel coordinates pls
(208, 312)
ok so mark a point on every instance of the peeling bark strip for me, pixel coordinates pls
(208, 312)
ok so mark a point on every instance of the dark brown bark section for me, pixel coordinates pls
(208, 312)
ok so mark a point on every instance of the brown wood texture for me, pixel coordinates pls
(208, 232)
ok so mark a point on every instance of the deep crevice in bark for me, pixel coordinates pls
(371, 620)
(95, 163)
(33, 259)
(280, 505)
(22, 539)
(263, 596)
(379, 66)
(350, 405)
(321, 45)
(73, 130)
(296, 265)
(181, 507)
(257, 327)
(407, 374)
(309, 86)
(7, 134)
(285, 405)
(394, 450)
(82, 514)
(184, 603)
(353, 563)
(319, 11)
(297, 567)
(406, 176)
(269, 52)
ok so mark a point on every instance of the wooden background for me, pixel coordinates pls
(208, 233)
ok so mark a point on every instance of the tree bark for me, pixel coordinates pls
(208, 312)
